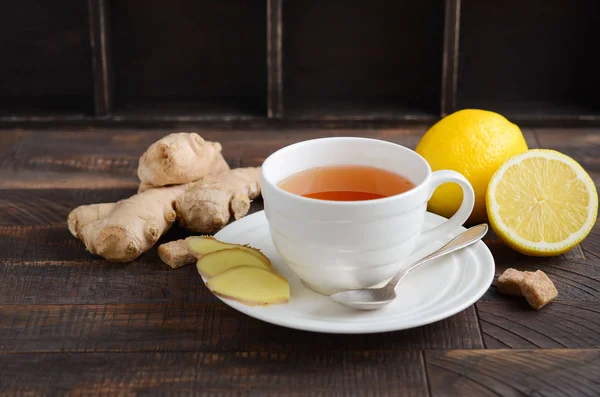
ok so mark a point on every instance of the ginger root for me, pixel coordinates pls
(179, 158)
(86, 214)
(203, 245)
(209, 203)
(122, 231)
(219, 261)
(182, 177)
(250, 285)
(175, 254)
(238, 272)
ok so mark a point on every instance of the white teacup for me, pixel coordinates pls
(339, 245)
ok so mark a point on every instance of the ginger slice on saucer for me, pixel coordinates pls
(213, 263)
(250, 285)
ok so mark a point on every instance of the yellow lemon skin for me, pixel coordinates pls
(542, 203)
(475, 143)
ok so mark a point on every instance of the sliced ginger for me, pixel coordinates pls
(219, 261)
(251, 286)
(202, 245)
(238, 272)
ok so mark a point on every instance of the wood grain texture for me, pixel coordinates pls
(361, 109)
(582, 144)
(570, 321)
(205, 324)
(591, 244)
(47, 244)
(450, 57)
(509, 322)
(33, 207)
(104, 159)
(568, 373)
(8, 140)
(101, 56)
(215, 374)
(577, 277)
(39, 233)
(274, 59)
(73, 323)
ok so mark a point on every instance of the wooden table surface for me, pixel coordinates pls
(72, 323)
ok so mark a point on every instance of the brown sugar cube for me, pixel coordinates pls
(509, 282)
(175, 254)
(538, 289)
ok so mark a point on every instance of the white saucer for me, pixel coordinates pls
(430, 293)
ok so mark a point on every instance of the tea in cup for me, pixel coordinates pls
(344, 211)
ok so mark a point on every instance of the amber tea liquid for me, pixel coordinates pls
(346, 183)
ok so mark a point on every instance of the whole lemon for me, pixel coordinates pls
(475, 143)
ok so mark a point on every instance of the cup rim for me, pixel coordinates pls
(312, 201)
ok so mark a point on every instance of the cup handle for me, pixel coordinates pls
(464, 211)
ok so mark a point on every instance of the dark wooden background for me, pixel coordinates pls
(255, 75)
(74, 324)
(284, 62)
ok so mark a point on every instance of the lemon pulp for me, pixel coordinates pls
(542, 203)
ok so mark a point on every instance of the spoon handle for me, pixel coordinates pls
(466, 238)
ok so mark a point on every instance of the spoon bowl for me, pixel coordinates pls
(376, 298)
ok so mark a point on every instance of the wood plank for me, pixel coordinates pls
(508, 322)
(450, 57)
(41, 234)
(132, 142)
(577, 278)
(96, 281)
(226, 110)
(558, 372)
(241, 373)
(44, 244)
(591, 244)
(530, 138)
(111, 150)
(535, 112)
(101, 56)
(40, 253)
(203, 325)
(582, 144)
(8, 141)
(274, 59)
(511, 323)
(102, 159)
(361, 109)
(33, 207)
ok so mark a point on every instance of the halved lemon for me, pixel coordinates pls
(541, 203)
